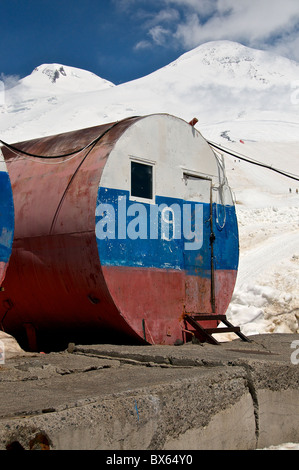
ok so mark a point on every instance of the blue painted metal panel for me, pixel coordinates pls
(125, 231)
(226, 244)
(6, 217)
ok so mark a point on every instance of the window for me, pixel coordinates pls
(141, 180)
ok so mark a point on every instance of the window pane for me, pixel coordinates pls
(141, 180)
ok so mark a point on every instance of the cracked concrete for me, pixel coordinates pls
(233, 396)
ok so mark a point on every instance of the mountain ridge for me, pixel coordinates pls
(69, 78)
(217, 82)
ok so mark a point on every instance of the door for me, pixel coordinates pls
(198, 256)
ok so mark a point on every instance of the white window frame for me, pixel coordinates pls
(151, 163)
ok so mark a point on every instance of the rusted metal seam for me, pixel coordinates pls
(55, 234)
(96, 141)
(67, 188)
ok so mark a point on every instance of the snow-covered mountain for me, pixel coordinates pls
(245, 99)
(63, 79)
(224, 84)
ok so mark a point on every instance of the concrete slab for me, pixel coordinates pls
(153, 397)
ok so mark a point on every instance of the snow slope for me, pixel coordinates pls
(266, 297)
(50, 77)
(246, 100)
(224, 84)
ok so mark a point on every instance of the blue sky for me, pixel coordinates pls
(121, 40)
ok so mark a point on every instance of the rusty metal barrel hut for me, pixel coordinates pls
(6, 219)
(121, 230)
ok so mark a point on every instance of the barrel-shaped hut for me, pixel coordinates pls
(121, 230)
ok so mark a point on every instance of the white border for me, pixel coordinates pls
(151, 163)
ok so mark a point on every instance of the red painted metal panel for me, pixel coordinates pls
(153, 297)
(55, 281)
(159, 298)
(3, 267)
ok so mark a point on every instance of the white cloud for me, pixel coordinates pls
(264, 24)
(142, 45)
(166, 15)
(9, 81)
(154, 24)
(202, 7)
(158, 34)
(287, 46)
(255, 22)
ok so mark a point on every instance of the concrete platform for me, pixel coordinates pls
(235, 395)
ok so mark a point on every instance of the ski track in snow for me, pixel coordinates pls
(269, 253)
